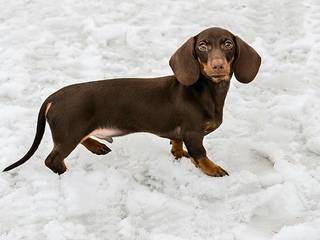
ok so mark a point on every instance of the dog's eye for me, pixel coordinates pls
(228, 44)
(203, 47)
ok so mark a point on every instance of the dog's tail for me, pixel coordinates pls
(41, 124)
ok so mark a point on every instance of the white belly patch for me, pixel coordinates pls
(104, 134)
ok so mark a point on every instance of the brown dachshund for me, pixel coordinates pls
(183, 108)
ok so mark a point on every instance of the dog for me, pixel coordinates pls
(184, 107)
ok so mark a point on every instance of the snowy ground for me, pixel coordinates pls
(269, 140)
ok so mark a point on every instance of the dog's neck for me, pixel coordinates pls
(214, 95)
(219, 92)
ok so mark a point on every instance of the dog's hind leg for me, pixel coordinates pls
(55, 160)
(64, 142)
(95, 147)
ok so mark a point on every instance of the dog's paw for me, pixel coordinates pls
(210, 168)
(58, 167)
(218, 172)
(100, 149)
(96, 147)
(180, 153)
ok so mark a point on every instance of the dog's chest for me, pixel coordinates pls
(210, 126)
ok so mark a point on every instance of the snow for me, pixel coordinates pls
(269, 141)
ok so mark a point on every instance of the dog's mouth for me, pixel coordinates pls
(219, 77)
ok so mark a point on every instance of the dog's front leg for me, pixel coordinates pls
(193, 142)
(177, 149)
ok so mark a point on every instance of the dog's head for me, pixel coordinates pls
(216, 54)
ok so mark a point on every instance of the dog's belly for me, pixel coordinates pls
(108, 133)
(105, 134)
(173, 134)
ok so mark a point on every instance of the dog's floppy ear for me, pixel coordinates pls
(247, 63)
(184, 65)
